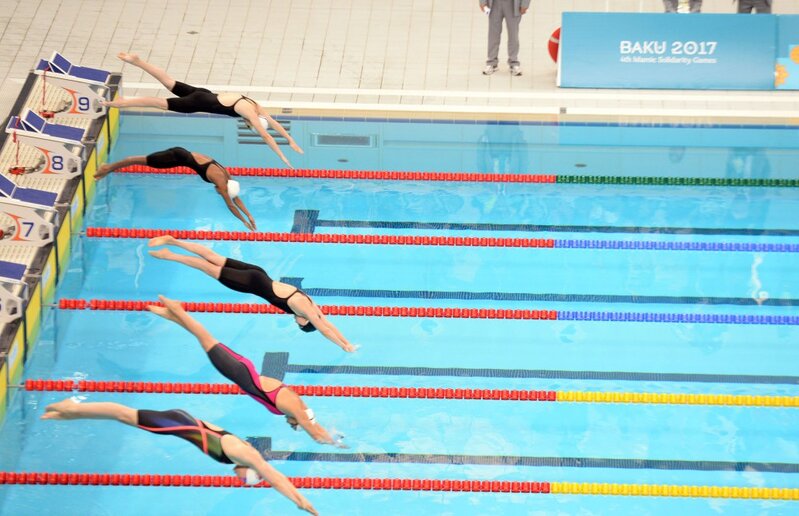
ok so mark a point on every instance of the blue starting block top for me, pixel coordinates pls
(31, 122)
(12, 271)
(43, 66)
(90, 74)
(31, 195)
(59, 64)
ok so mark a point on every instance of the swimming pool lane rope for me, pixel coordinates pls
(339, 391)
(447, 313)
(477, 177)
(405, 484)
(441, 241)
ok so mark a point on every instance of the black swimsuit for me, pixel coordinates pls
(182, 424)
(251, 279)
(193, 100)
(180, 157)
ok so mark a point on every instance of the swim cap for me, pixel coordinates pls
(308, 327)
(251, 477)
(264, 124)
(233, 188)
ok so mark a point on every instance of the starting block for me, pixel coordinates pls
(61, 145)
(32, 211)
(87, 87)
(13, 291)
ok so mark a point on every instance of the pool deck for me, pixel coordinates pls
(402, 58)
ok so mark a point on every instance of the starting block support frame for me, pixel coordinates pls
(63, 152)
(34, 225)
(87, 87)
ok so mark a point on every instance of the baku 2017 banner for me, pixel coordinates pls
(701, 51)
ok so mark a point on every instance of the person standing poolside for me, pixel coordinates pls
(271, 393)
(673, 6)
(758, 6)
(251, 279)
(220, 445)
(207, 168)
(194, 100)
(511, 11)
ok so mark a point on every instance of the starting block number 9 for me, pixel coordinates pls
(83, 103)
(80, 103)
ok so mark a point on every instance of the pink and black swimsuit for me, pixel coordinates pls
(242, 372)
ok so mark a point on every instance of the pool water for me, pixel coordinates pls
(448, 438)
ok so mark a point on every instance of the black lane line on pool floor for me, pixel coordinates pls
(264, 446)
(463, 295)
(306, 221)
(275, 365)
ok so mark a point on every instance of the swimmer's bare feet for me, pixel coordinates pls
(172, 305)
(162, 311)
(118, 102)
(161, 254)
(129, 58)
(103, 171)
(162, 240)
(60, 410)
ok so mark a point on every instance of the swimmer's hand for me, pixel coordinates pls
(351, 348)
(287, 162)
(129, 58)
(338, 439)
(296, 147)
(306, 506)
(251, 225)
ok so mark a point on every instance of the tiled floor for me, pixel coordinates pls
(410, 55)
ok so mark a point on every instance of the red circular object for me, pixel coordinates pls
(553, 44)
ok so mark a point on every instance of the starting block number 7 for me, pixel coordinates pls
(23, 228)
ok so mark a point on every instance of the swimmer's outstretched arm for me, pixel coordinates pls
(243, 208)
(289, 403)
(332, 333)
(308, 309)
(274, 124)
(234, 206)
(107, 168)
(317, 432)
(255, 123)
(242, 453)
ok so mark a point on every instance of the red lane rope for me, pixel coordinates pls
(335, 391)
(358, 311)
(385, 484)
(320, 238)
(380, 175)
